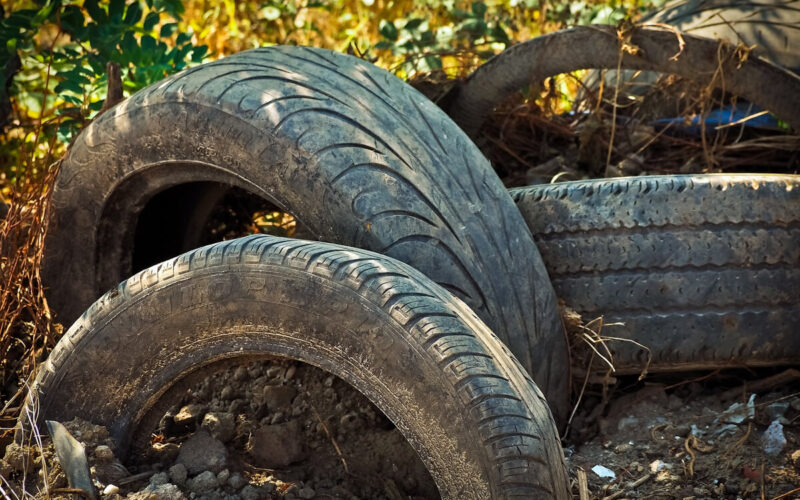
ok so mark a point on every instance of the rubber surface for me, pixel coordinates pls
(702, 269)
(359, 157)
(598, 47)
(465, 404)
(772, 26)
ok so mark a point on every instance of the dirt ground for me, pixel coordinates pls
(280, 429)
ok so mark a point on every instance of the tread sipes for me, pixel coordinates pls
(505, 419)
(687, 262)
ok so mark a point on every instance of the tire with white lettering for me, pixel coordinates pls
(476, 419)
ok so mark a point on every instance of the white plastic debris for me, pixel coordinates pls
(604, 472)
(657, 465)
(738, 413)
(773, 440)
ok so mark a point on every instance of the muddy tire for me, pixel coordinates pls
(702, 269)
(356, 155)
(420, 355)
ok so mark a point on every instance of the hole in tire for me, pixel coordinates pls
(187, 216)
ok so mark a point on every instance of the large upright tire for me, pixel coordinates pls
(464, 403)
(704, 270)
(356, 155)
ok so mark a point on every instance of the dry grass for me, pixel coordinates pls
(27, 330)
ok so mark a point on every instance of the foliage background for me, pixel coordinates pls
(53, 53)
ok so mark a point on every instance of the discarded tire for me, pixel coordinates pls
(464, 403)
(598, 47)
(768, 28)
(356, 155)
(702, 269)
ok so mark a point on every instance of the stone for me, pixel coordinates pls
(164, 452)
(219, 425)
(240, 374)
(222, 476)
(18, 457)
(5, 469)
(161, 492)
(278, 396)
(237, 481)
(178, 474)
(250, 492)
(189, 415)
(276, 446)
(159, 479)
(306, 493)
(103, 453)
(227, 393)
(203, 452)
(206, 481)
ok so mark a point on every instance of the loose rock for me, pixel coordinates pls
(237, 481)
(161, 492)
(275, 446)
(178, 474)
(202, 452)
(204, 482)
(220, 425)
(189, 415)
(278, 396)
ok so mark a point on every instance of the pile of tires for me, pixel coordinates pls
(451, 327)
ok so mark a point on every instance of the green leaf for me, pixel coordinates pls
(168, 29)
(42, 15)
(68, 109)
(499, 34)
(94, 10)
(133, 14)
(199, 52)
(96, 106)
(413, 24)
(148, 44)
(150, 21)
(69, 85)
(115, 10)
(433, 62)
(72, 21)
(71, 99)
(183, 37)
(388, 30)
(383, 45)
(479, 9)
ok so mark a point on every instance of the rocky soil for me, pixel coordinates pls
(271, 429)
(280, 429)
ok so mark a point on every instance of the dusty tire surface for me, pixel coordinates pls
(464, 403)
(359, 157)
(702, 269)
